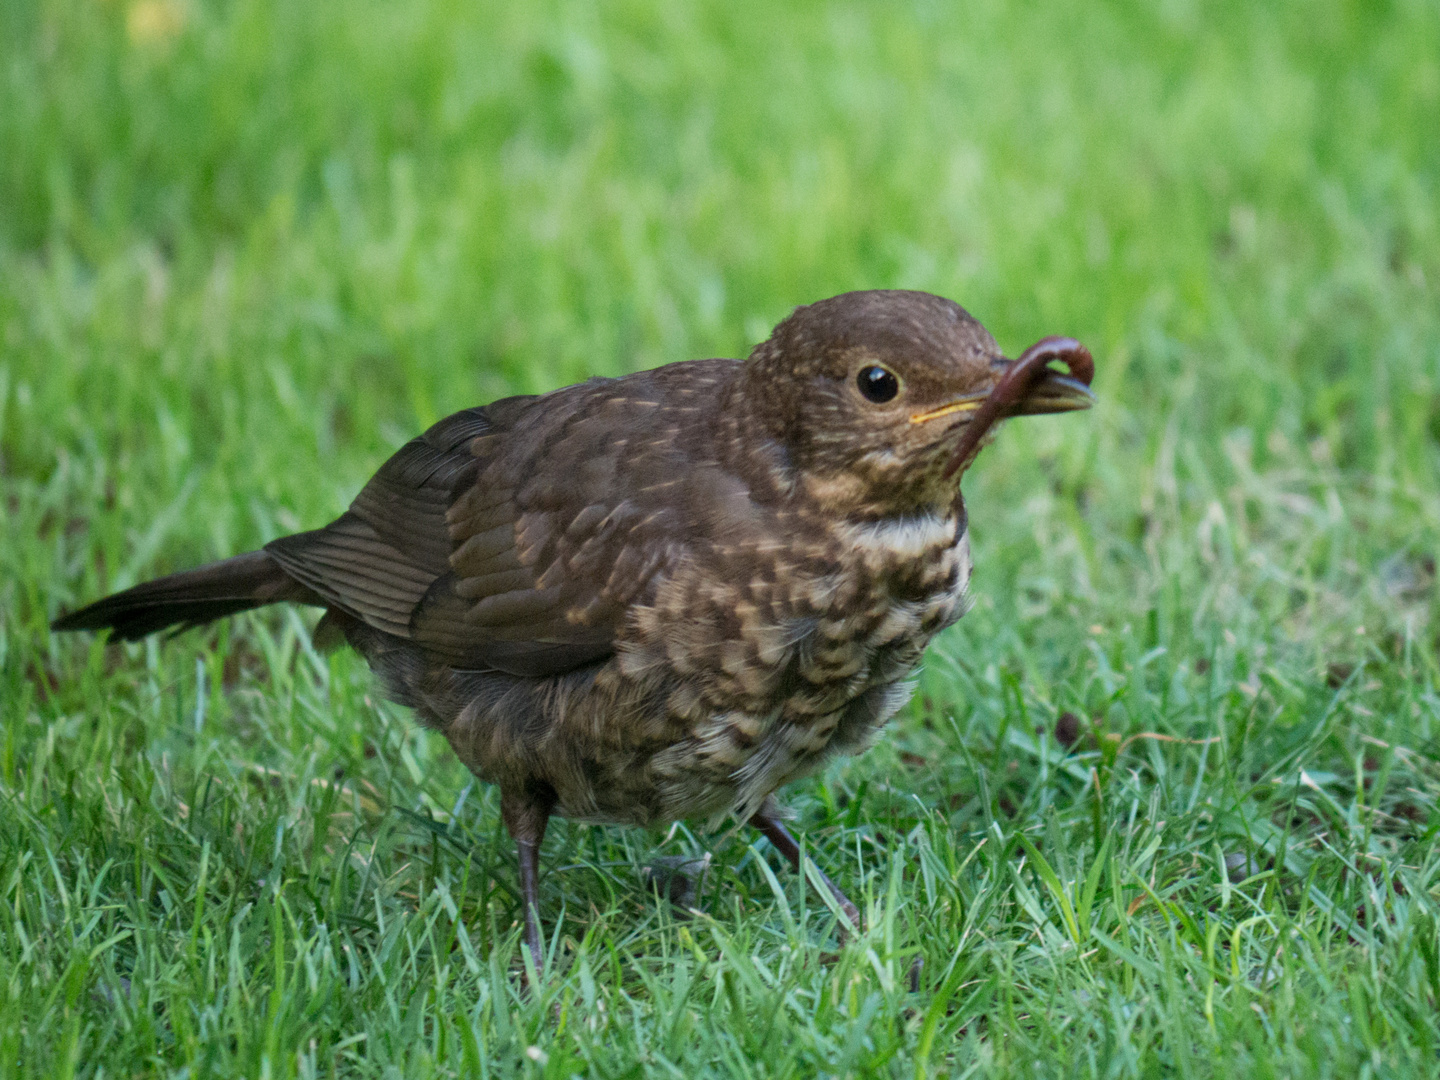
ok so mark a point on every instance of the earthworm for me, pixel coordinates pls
(1017, 382)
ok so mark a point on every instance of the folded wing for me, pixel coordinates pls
(500, 539)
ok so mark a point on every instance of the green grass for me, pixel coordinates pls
(248, 248)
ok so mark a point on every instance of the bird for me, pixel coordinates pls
(664, 595)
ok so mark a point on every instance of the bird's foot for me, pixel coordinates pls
(677, 878)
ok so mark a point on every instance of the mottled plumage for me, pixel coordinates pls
(660, 596)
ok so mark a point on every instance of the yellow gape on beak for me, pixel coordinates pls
(968, 403)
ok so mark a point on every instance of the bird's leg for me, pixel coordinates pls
(775, 831)
(525, 815)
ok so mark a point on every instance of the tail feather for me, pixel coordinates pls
(190, 598)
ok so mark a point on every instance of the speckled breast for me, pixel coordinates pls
(783, 658)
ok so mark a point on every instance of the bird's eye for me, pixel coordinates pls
(877, 384)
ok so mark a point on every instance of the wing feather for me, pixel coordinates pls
(511, 537)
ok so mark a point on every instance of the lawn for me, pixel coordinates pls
(1165, 801)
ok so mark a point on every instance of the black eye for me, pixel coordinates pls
(878, 384)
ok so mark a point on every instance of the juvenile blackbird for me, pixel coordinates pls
(664, 595)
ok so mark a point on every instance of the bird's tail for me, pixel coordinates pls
(190, 598)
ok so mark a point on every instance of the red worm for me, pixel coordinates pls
(1015, 385)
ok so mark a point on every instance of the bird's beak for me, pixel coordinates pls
(1054, 393)
(1051, 393)
(1022, 387)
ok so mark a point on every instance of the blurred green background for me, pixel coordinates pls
(247, 248)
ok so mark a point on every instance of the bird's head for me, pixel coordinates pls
(880, 399)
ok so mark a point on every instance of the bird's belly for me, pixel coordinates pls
(686, 761)
(840, 694)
